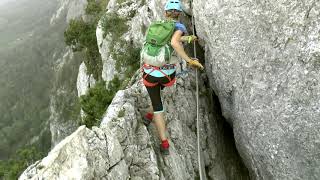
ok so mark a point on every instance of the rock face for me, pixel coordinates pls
(86, 154)
(84, 81)
(69, 9)
(262, 59)
(109, 64)
(144, 13)
(59, 127)
(127, 149)
(122, 147)
(62, 122)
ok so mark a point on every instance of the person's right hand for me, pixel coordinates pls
(195, 63)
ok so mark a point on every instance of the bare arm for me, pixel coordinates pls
(178, 47)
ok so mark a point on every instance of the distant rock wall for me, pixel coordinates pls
(69, 9)
(64, 88)
(59, 127)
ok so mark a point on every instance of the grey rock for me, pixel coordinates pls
(59, 126)
(262, 60)
(85, 154)
(61, 122)
(122, 118)
(119, 172)
(84, 81)
(69, 9)
(123, 148)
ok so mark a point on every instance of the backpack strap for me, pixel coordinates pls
(168, 50)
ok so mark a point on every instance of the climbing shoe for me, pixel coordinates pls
(164, 147)
(147, 119)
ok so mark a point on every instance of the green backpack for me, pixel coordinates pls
(157, 50)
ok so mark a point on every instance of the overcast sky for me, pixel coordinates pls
(5, 1)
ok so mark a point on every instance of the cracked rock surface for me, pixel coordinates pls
(85, 154)
(262, 60)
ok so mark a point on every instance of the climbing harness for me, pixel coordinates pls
(160, 69)
(200, 161)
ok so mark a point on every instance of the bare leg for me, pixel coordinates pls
(150, 109)
(158, 117)
(160, 124)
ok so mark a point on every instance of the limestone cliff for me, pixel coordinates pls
(62, 121)
(261, 61)
(262, 58)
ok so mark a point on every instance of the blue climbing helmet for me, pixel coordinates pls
(173, 4)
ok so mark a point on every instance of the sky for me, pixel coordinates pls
(5, 1)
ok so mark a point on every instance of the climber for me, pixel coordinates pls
(159, 63)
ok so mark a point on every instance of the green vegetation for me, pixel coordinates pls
(115, 25)
(126, 55)
(66, 102)
(96, 101)
(121, 113)
(128, 59)
(24, 157)
(96, 8)
(93, 8)
(80, 35)
(27, 47)
(121, 1)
